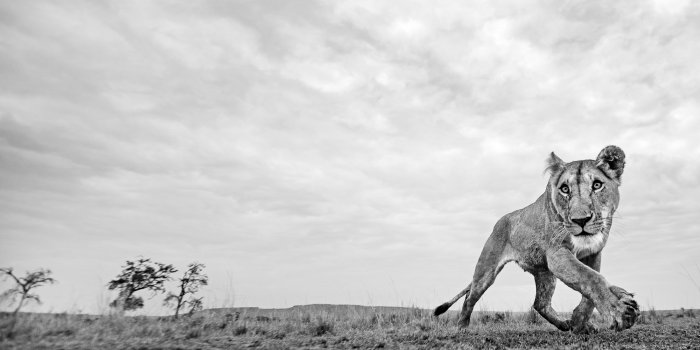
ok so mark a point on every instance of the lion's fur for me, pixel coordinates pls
(561, 235)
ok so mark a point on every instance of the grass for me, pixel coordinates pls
(342, 327)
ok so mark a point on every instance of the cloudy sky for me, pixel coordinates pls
(339, 152)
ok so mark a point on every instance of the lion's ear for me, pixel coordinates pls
(554, 164)
(611, 161)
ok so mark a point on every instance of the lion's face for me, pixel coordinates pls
(585, 195)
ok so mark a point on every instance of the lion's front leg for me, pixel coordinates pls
(614, 303)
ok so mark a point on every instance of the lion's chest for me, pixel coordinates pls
(533, 260)
(528, 255)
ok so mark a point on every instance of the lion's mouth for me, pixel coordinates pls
(585, 233)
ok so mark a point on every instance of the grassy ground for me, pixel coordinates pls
(335, 327)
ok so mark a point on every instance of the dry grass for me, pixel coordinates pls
(344, 327)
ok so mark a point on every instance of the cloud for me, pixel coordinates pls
(346, 152)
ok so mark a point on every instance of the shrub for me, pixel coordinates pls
(498, 317)
(321, 327)
(650, 317)
(532, 316)
(193, 333)
(240, 330)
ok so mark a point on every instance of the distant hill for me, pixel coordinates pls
(316, 309)
(353, 311)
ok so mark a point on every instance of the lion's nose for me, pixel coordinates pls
(582, 221)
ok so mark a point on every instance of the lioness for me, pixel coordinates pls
(561, 236)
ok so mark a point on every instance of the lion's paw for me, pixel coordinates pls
(463, 322)
(625, 310)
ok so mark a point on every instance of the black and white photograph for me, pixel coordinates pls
(361, 174)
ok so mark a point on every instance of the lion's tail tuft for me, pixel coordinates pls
(444, 307)
(441, 309)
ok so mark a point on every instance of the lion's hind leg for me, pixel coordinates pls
(545, 282)
(580, 323)
(483, 279)
(490, 264)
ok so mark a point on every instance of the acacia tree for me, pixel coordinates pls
(195, 304)
(142, 274)
(190, 283)
(23, 285)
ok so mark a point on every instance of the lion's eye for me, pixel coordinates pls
(597, 184)
(564, 188)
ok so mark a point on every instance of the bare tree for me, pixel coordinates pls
(190, 283)
(195, 305)
(142, 274)
(25, 284)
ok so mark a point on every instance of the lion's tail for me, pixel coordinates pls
(444, 307)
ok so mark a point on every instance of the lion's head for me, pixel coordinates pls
(585, 195)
